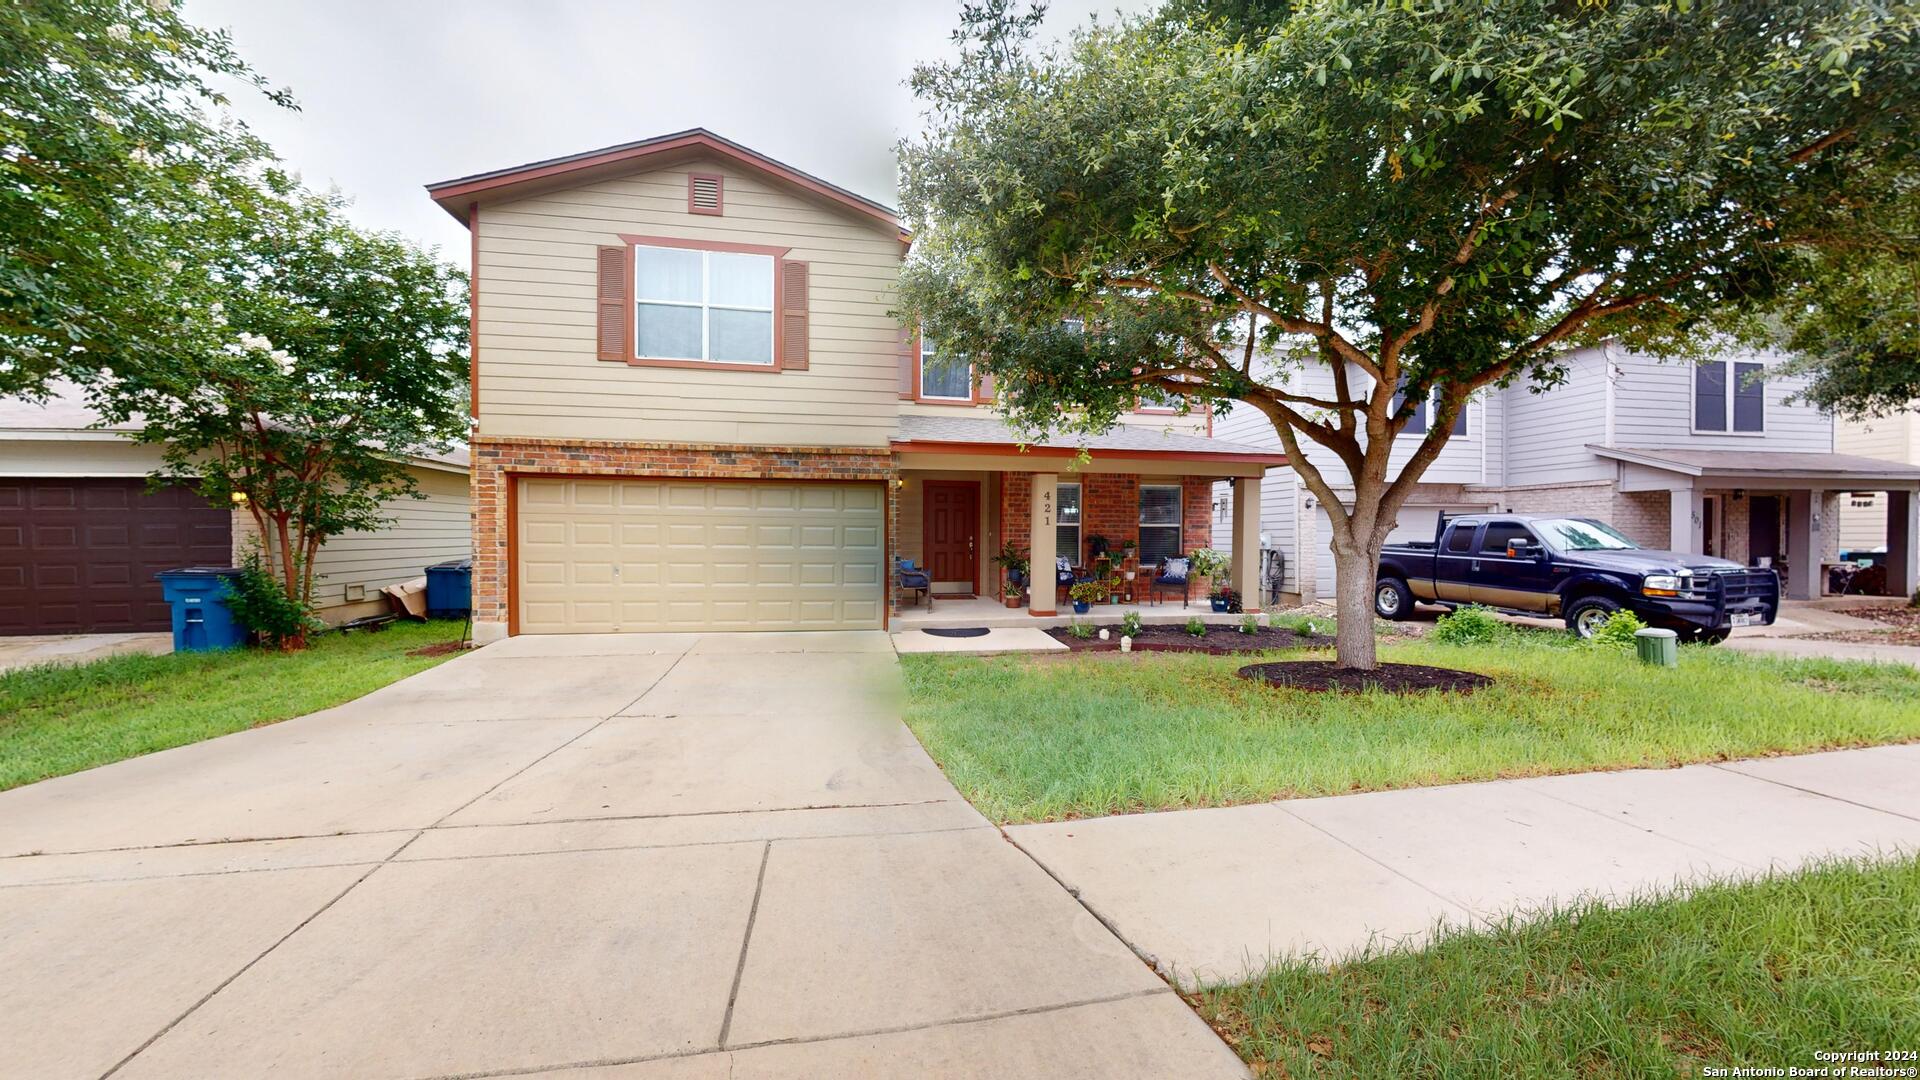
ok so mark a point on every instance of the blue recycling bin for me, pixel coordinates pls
(201, 618)
(450, 589)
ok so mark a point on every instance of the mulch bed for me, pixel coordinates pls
(442, 649)
(1387, 678)
(1219, 640)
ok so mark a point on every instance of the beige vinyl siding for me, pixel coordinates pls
(538, 374)
(420, 532)
(54, 454)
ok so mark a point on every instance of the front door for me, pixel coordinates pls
(1763, 530)
(952, 535)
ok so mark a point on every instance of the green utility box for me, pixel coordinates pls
(1657, 647)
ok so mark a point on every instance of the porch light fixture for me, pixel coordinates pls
(239, 498)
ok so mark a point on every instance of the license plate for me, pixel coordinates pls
(1741, 618)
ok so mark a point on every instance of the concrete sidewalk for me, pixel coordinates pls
(1211, 895)
(650, 856)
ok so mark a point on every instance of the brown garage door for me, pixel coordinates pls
(78, 556)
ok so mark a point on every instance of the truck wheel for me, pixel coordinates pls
(1585, 615)
(1392, 599)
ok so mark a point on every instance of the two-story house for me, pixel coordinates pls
(1716, 459)
(694, 409)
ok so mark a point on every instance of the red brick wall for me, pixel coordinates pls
(1110, 506)
(497, 461)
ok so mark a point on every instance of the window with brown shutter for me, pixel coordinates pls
(613, 311)
(706, 194)
(909, 363)
(793, 315)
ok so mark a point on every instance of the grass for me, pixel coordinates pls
(61, 719)
(1048, 738)
(1761, 974)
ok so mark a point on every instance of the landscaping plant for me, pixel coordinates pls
(1080, 630)
(1417, 203)
(1130, 624)
(261, 604)
(1250, 624)
(1212, 565)
(1087, 592)
(1196, 626)
(1469, 625)
(1617, 632)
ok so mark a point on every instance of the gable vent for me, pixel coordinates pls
(705, 193)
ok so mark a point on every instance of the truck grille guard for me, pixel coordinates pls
(1730, 589)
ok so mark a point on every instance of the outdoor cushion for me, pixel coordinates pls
(1173, 572)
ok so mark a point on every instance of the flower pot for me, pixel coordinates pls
(1013, 602)
(1219, 603)
(1081, 607)
(1017, 577)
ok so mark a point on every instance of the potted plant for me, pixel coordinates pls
(1097, 545)
(1011, 594)
(1212, 565)
(1014, 561)
(1084, 593)
(1127, 547)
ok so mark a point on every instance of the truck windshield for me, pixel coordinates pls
(1574, 534)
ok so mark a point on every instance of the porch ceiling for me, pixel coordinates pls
(1762, 468)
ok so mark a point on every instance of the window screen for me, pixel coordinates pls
(1749, 397)
(703, 305)
(1160, 516)
(1066, 531)
(1710, 397)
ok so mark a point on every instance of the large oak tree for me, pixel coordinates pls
(1415, 196)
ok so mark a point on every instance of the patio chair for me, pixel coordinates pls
(907, 576)
(1171, 576)
(1066, 576)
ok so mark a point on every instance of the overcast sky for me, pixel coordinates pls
(396, 94)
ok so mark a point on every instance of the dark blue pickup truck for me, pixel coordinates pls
(1575, 568)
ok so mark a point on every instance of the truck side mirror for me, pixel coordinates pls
(1523, 549)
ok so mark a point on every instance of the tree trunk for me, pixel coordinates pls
(1354, 571)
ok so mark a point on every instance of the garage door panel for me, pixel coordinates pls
(694, 555)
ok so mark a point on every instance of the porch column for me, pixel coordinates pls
(1040, 544)
(1804, 546)
(1246, 542)
(1685, 518)
(1903, 542)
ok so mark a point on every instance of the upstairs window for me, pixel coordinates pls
(1733, 391)
(944, 376)
(1424, 413)
(1160, 520)
(709, 306)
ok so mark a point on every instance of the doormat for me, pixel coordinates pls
(958, 631)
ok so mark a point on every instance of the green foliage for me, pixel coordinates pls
(1130, 624)
(1081, 630)
(1013, 558)
(1444, 197)
(1301, 623)
(1211, 564)
(1249, 624)
(1469, 625)
(1746, 975)
(335, 356)
(1087, 592)
(1196, 626)
(1617, 632)
(119, 148)
(260, 603)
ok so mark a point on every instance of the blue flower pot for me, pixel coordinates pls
(1219, 603)
(1081, 607)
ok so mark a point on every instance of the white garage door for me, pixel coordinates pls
(1416, 523)
(617, 555)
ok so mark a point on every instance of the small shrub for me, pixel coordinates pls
(260, 604)
(1130, 624)
(1470, 625)
(1619, 629)
(1081, 630)
(1196, 627)
(1301, 623)
(1250, 624)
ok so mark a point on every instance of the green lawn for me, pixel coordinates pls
(56, 720)
(1759, 975)
(1045, 738)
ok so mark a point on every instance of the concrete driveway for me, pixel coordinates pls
(591, 857)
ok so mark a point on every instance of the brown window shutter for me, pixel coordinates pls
(793, 315)
(909, 354)
(706, 194)
(613, 311)
(985, 391)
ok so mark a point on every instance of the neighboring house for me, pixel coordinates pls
(81, 536)
(1863, 514)
(695, 410)
(1711, 459)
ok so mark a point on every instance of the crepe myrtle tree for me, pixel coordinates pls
(334, 356)
(1419, 200)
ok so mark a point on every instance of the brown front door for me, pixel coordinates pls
(951, 527)
(78, 556)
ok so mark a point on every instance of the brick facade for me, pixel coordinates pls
(1110, 507)
(497, 461)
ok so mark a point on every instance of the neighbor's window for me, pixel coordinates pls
(1736, 389)
(1066, 518)
(1160, 512)
(703, 305)
(1424, 413)
(946, 376)
(1579, 534)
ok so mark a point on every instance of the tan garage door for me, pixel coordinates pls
(615, 555)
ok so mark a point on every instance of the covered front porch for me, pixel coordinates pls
(1765, 508)
(968, 499)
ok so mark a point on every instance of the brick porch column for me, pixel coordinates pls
(1040, 544)
(1246, 542)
